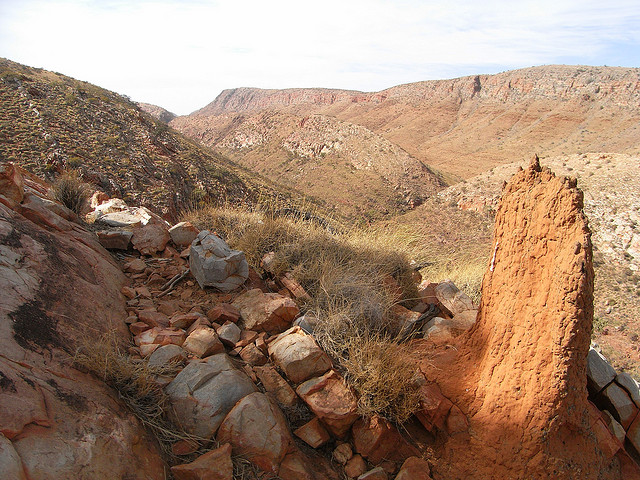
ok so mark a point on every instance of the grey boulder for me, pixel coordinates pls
(214, 264)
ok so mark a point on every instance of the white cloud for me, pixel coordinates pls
(181, 54)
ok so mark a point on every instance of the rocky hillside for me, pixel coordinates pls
(467, 125)
(50, 123)
(352, 168)
(156, 112)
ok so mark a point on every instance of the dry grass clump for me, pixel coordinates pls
(71, 191)
(135, 381)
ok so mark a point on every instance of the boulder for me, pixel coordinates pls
(599, 372)
(11, 182)
(151, 235)
(330, 399)
(452, 299)
(257, 430)
(214, 264)
(377, 440)
(355, 466)
(630, 385)
(166, 355)
(183, 233)
(58, 286)
(229, 334)
(313, 433)
(213, 465)
(10, 463)
(202, 342)
(275, 385)
(204, 392)
(377, 473)
(414, 468)
(615, 399)
(298, 355)
(270, 312)
(115, 239)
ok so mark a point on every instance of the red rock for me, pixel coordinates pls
(131, 319)
(213, 465)
(252, 355)
(313, 433)
(135, 266)
(332, 401)
(414, 468)
(147, 349)
(294, 287)
(128, 292)
(184, 320)
(269, 312)
(224, 312)
(114, 239)
(11, 182)
(457, 421)
(153, 318)
(184, 447)
(246, 337)
(137, 328)
(342, 453)
(377, 440)
(434, 407)
(355, 467)
(261, 343)
(200, 322)
(277, 386)
(295, 466)
(143, 291)
(298, 355)
(203, 342)
(183, 233)
(257, 430)
(377, 473)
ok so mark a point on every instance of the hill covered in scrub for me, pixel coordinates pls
(460, 127)
(50, 123)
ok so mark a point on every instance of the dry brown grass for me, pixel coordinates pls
(346, 275)
(137, 385)
(71, 191)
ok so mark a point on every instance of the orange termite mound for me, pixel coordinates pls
(520, 373)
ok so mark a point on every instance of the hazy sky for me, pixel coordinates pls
(181, 54)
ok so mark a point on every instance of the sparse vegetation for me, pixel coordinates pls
(71, 191)
(347, 276)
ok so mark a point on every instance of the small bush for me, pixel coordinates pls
(71, 191)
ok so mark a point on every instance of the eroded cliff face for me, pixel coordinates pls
(520, 374)
(620, 86)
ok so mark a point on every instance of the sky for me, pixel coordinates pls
(181, 54)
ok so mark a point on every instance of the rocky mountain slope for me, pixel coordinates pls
(353, 169)
(50, 123)
(463, 126)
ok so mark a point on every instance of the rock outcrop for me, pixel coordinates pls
(59, 286)
(522, 368)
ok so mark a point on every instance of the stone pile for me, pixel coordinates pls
(247, 360)
(617, 396)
